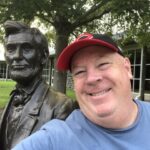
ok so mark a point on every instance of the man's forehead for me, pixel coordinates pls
(20, 38)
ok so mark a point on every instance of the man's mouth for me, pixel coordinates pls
(99, 93)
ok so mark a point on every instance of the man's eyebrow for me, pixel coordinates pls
(77, 67)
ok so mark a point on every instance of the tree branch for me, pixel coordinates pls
(41, 15)
(85, 21)
(44, 18)
(92, 10)
(3, 5)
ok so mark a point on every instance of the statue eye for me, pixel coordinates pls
(10, 48)
(27, 47)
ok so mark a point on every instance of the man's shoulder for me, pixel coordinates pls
(144, 106)
(53, 125)
(143, 103)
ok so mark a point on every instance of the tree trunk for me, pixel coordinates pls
(60, 77)
(142, 73)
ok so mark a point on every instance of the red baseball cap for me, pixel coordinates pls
(84, 40)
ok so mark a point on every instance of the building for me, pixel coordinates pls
(3, 66)
(140, 63)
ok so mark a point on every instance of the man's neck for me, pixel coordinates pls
(124, 118)
(127, 117)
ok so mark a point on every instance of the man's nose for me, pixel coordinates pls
(93, 76)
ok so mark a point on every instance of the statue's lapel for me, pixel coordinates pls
(30, 113)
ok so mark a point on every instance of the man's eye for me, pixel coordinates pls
(104, 65)
(78, 73)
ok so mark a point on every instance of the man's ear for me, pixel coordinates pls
(128, 67)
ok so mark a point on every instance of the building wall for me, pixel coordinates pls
(3, 70)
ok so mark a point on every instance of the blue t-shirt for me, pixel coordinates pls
(78, 133)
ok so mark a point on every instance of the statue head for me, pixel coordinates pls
(26, 51)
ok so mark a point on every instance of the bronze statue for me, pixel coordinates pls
(33, 102)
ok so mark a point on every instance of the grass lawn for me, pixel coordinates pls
(70, 93)
(7, 86)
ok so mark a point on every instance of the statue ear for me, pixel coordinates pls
(44, 58)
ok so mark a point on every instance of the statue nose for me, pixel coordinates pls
(18, 53)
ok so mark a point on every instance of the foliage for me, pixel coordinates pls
(75, 16)
(135, 20)
(75, 13)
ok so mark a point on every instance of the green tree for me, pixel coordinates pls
(70, 17)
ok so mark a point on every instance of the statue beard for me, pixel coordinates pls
(25, 76)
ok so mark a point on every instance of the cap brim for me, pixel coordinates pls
(63, 62)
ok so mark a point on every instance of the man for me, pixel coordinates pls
(108, 118)
(33, 102)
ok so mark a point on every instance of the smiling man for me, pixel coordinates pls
(109, 118)
(102, 85)
(33, 102)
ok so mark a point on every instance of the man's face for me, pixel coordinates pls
(22, 57)
(101, 82)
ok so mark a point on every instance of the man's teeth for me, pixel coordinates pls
(99, 93)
